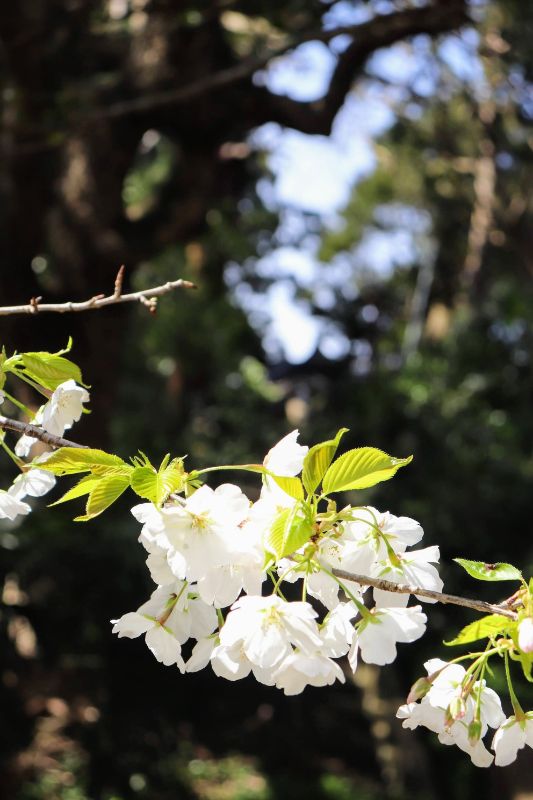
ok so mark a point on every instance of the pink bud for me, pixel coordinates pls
(525, 635)
(419, 689)
(474, 732)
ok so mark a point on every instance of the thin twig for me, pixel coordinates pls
(26, 429)
(440, 597)
(145, 296)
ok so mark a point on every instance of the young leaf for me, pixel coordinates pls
(70, 460)
(291, 486)
(50, 370)
(318, 460)
(491, 625)
(291, 529)
(156, 486)
(107, 490)
(84, 486)
(361, 468)
(489, 572)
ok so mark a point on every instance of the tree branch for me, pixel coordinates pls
(440, 597)
(387, 29)
(378, 583)
(147, 297)
(315, 117)
(26, 429)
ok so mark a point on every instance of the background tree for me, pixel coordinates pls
(125, 140)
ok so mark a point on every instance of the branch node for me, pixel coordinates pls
(118, 282)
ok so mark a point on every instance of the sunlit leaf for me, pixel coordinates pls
(157, 486)
(107, 490)
(491, 625)
(291, 529)
(70, 460)
(361, 468)
(318, 460)
(490, 572)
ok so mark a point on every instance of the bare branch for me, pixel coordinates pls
(26, 429)
(440, 597)
(369, 36)
(147, 297)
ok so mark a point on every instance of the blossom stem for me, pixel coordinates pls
(363, 610)
(18, 461)
(17, 403)
(517, 708)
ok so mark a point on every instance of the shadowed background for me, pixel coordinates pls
(348, 185)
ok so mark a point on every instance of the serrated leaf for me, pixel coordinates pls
(164, 462)
(157, 486)
(106, 491)
(291, 529)
(491, 625)
(499, 571)
(361, 468)
(84, 486)
(291, 486)
(71, 460)
(318, 460)
(49, 370)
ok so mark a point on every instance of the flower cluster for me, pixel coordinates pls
(57, 415)
(210, 554)
(460, 710)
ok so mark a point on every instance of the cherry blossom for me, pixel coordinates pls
(511, 737)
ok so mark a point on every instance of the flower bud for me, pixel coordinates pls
(474, 732)
(525, 635)
(456, 710)
(418, 690)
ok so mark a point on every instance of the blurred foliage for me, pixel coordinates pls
(438, 363)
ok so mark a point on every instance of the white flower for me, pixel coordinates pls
(287, 456)
(203, 531)
(35, 483)
(300, 669)
(414, 568)
(201, 654)
(160, 641)
(286, 459)
(169, 618)
(64, 407)
(25, 443)
(401, 532)
(11, 507)
(525, 635)
(377, 638)
(446, 687)
(265, 628)
(157, 563)
(511, 737)
(337, 631)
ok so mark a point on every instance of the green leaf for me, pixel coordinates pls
(291, 529)
(318, 460)
(361, 468)
(491, 625)
(291, 486)
(84, 486)
(71, 460)
(50, 370)
(157, 486)
(489, 572)
(107, 490)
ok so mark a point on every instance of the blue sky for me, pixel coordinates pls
(316, 174)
